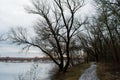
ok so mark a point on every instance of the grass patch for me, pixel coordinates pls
(108, 71)
(73, 73)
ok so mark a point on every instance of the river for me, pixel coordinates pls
(27, 71)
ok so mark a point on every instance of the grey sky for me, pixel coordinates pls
(12, 14)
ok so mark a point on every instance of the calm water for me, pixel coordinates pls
(11, 71)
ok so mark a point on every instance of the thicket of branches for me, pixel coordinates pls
(58, 31)
(55, 30)
(102, 42)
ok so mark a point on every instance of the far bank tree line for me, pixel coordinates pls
(60, 32)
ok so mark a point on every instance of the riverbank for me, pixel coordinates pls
(108, 71)
(73, 73)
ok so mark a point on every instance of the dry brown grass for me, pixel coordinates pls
(108, 71)
(72, 74)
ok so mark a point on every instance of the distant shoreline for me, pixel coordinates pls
(28, 59)
(22, 59)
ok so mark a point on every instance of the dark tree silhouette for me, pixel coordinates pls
(56, 28)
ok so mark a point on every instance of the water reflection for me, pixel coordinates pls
(38, 71)
(25, 71)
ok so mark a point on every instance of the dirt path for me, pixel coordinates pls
(90, 73)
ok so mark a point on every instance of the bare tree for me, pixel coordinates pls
(109, 18)
(56, 27)
(102, 40)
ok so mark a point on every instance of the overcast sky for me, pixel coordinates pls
(12, 14)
